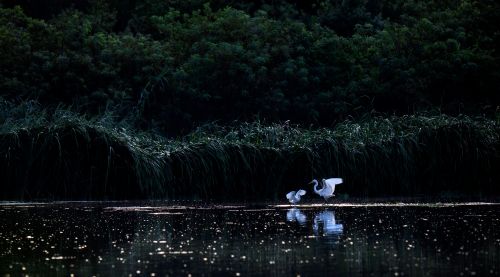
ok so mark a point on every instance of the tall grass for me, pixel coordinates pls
(410, 155)
(61, 155)
(66, 156)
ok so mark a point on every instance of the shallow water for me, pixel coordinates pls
(158, 239)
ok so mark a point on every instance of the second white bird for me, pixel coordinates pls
(294, 197)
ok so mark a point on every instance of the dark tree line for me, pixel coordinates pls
(174, 64)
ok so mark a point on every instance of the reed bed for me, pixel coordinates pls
(65, 156)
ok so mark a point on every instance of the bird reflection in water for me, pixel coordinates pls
(295, 214)
(330, 226)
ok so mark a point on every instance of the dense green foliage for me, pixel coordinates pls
(175, 64)
(64, 156)
(316, 77)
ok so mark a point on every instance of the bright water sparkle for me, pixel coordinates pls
(155, 239)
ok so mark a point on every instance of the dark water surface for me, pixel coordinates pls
(156, 239)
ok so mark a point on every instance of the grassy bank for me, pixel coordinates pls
(63, 156)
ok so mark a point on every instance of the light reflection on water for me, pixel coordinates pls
(121, 239)
(295, 214)
(330, 226)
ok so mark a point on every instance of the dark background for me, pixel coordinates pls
(172, 65)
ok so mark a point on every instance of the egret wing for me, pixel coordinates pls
(290, 195)
(301, 192)
(333, 181)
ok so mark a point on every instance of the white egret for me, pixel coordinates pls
(330, 226)
(328, 187)
(294, 197)
(295, 214)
